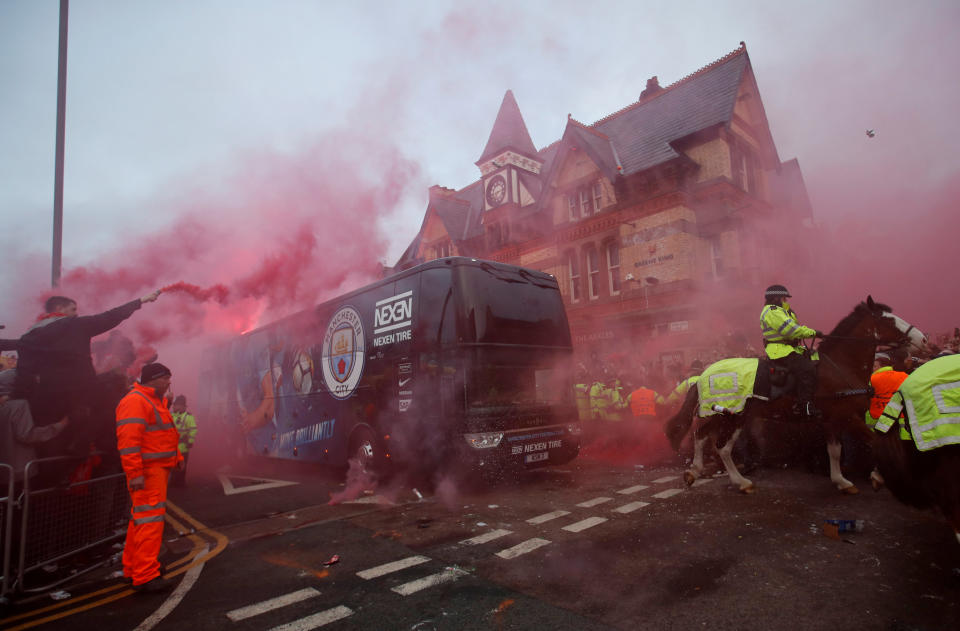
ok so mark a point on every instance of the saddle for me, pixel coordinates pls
(774, 380)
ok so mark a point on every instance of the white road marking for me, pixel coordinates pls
(368, 499)
(265, 483)
(583, 524)
(485, 537)
(629, 508)
(667, 478)
(269, 605)
(522, 548)
(446, 576)
(539, 519)
(316, 620)
(594, 502)
(174, 599)
(662, 495)
(388, 568)
(632, 489)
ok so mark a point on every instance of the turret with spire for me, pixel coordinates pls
(509, 150)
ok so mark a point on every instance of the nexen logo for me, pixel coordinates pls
(395, 312)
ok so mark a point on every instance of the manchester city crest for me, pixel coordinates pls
(343, 353)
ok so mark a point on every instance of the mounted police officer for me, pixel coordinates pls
(782, 337)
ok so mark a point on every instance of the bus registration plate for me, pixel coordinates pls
(537, 457)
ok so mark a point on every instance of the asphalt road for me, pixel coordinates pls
(590, 545)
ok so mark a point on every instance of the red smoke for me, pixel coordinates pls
(218, 292)
(279, 235)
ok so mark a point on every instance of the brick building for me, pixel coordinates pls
(662, 221)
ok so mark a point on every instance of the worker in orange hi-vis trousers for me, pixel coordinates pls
(148, 444)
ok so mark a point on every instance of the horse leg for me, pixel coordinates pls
(876, 480)
(736, 478)
(696, 467)
(834, 450)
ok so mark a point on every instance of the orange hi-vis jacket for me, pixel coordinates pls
(643, 402)
(146, 435)
(885, 382)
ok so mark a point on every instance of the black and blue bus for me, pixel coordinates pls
(457, 360)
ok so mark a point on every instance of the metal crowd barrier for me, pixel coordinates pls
(6, 526)
(62, 521)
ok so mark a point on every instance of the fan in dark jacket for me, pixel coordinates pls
(55, 370)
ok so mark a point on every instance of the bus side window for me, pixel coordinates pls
(436, 312)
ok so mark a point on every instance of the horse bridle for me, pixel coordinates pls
(904, 337)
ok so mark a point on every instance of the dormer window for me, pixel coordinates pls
(744, 169)
(572, 207)
(586, 203)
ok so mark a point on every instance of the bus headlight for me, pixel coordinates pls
(485, 440)
(574, 429)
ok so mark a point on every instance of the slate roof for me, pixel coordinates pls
(643, 131)
(509, 131)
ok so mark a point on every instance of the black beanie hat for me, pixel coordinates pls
(153, 371)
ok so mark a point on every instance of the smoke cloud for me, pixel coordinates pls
(280, 234)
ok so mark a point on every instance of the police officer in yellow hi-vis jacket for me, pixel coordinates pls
(782, 338)
(187, 428)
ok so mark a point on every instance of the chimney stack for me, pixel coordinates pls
(653, 86)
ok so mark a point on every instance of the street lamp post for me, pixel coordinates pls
(645, 282)
(61, 125)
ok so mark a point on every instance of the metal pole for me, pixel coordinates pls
(61, 125)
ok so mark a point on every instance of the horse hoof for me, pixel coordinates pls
(689, 478)
(748, 490)
(850, 490)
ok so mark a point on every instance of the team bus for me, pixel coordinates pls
(457, 360)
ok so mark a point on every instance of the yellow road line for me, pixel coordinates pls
(197, 542)
(197, 546)
(64, 603)
(221, 540)
(64, 614)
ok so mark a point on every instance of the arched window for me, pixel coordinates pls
(593, 273)
(573, 272)
(612, 250)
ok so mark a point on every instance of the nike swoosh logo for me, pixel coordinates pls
(404, 382)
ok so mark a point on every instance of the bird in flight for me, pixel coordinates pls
(871, 133)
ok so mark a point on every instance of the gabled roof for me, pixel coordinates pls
(453, 213)
(594, 143)
(509, 132)
(642, 132)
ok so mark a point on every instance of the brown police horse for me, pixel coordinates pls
(846, 362)
(923, 479)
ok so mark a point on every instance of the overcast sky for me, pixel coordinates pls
(173, 99)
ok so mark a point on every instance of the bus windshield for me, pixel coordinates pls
(500, 377)
(510, 306)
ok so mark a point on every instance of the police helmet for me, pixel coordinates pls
(776, 291)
